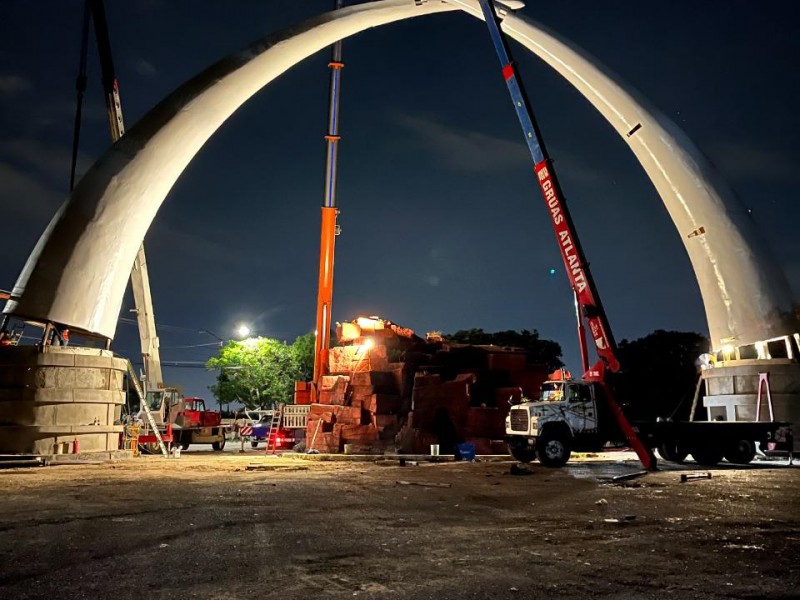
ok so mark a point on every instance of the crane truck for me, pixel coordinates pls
(573, 414)
(182, 421)
(585, 413)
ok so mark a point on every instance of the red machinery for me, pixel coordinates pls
(329, 228)
(587, 299)
(182, 421)
(192, 424)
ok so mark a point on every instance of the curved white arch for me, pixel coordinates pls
(78, 271)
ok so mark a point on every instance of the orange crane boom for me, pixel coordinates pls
(329, 229)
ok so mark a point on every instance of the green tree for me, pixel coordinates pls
(659, 373)
(261, 372)
(543, 352)
(303, 349)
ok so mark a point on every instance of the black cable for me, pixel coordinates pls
(206, 345)
(80, 86)
(129, 321)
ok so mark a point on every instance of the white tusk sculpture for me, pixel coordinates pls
(78, 271)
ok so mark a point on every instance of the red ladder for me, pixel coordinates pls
(274, 430)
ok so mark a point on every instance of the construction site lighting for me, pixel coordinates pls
(243, 331)
(368, 322)
(250, 342)
(706, 361)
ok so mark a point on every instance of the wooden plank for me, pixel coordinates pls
(403, 378)
(486, 422)
(322, 411)
(362, 391)
(425, 380)
(425, 484)
(347, 415)
(329, 382)
(379, 381)
(333, 389)
(384, 421)
(349, 360)
(382, 404)
(327, 443)
(359, 433)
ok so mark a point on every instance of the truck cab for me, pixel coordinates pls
(193, 423)
(563, 419)
(191, 412)
(161, 403)
(574, 414)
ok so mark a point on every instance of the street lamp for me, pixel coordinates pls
(243, 331)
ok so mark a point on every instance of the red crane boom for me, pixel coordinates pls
(587, 298)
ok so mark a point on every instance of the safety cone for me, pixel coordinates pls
(75, 446)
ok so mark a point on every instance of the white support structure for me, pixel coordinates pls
(148, 337)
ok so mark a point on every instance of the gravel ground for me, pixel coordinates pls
(203, 526)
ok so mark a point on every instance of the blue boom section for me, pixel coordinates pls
(332, 138)
(532, 135)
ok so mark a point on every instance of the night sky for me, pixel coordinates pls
(443, 227)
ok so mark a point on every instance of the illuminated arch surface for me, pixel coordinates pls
(78, 271)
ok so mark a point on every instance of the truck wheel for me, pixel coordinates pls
(218, 446)
(553, 449)
(708, 456)
(254, 444)
(523, 454)
(181, 440)
(150, 448)
(672, 452)
(740, 452)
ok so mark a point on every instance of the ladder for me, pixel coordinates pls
(148, 414)
(274, 429)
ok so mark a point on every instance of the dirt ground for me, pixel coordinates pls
(202, 526)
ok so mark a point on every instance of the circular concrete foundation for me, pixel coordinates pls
(60, 400)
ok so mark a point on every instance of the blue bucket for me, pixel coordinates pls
(465, 451)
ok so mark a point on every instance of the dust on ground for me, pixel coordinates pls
(203, 526)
